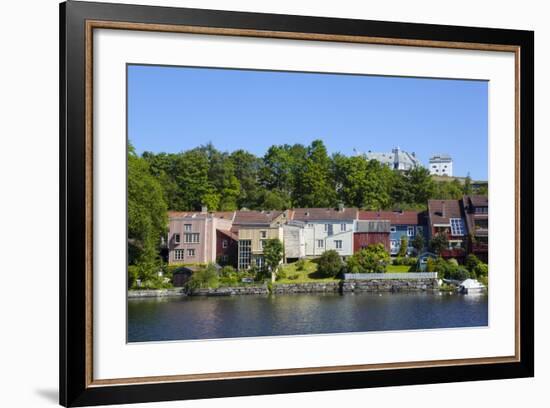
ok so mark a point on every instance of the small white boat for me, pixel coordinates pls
(471, 286)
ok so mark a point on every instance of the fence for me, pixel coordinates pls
(406, 275)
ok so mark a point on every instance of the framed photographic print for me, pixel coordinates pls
(256, 203)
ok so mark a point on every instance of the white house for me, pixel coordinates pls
(327, 228)
(441, 165)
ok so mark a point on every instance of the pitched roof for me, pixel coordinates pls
(250, 217)
(442, 210)
(227, 215)
(323, 214)
(229, 234)
(380, 226)
(394, 217)
(477, 200)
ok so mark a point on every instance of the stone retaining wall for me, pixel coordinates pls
(309, 287)
(231, 291)
(389, 285)
(148, 293)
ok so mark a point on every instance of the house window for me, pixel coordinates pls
(187, 227)
(225, 244)
(393, 229)
(410, 231)
(262, 243)
(260, 262)
(192, 238)
(338, 244)
(310, 225)
(326, 227)
(394, 244)
(481, 210)
(177, 238)
(191, 252)
(419, 230)
(320, 243)
(263, 234)
(245, 251)
(457, 226)
(179, 254)
(343, 227)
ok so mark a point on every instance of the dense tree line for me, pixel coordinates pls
(290, 176)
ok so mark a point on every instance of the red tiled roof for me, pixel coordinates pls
(441, 210)
(321, 214)
(394, 217)
(477, 201)
(255, 217)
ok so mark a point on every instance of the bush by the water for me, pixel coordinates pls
(329, 264)
(148, 276)
(447, 269)
(372, 259)
(206, 277)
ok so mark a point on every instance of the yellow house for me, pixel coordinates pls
(254, 228)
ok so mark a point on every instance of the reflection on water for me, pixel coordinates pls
(156, 319)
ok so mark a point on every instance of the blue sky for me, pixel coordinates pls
(171, 109)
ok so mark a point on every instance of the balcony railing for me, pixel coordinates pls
(453, 253)
(480, 247)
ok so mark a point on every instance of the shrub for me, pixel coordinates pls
(471, 262)
(329, 264)
(281, 273)
(372, 259)
(460, 273)
(404, 244)
(481, 270)
(438, 243)
(301, 264)
(205, 278)
(453, 261)
(410, 261)
(294, 276)
(418, 243)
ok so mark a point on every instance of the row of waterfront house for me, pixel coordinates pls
(237, 237)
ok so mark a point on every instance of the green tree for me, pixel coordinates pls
(329, 264)
(314, 186)
(147, 218)
(247, 167)
(362, 183)
(438, 243)
(372, 259)
(273, 253)
(467, 188)
(418, 243)
(403, 246)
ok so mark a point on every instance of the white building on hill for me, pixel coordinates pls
(398, 159)
(441, 165)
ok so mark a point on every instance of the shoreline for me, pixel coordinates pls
(348, 286)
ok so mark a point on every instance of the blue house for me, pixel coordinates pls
(402, 223)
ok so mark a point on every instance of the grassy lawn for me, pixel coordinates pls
(308, 274)
(397, 268)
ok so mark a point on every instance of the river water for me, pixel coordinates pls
(159, 319)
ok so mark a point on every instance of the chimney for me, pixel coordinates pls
(204, 209)
(443, 209)
(340, 207)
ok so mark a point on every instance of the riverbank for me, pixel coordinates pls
(338, 286)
